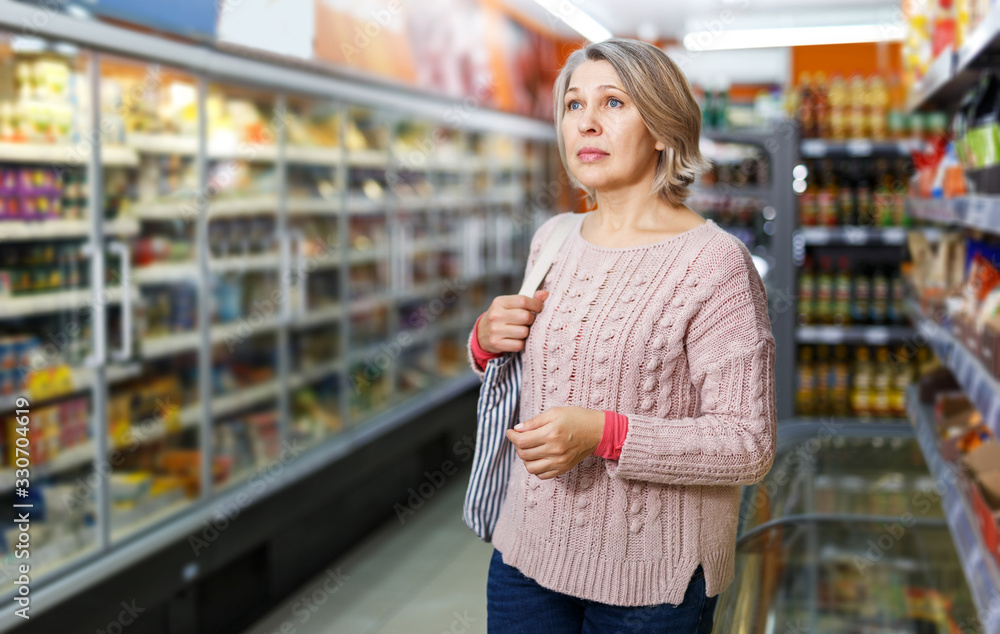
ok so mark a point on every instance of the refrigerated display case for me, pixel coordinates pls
(846, 534)
(207, 259)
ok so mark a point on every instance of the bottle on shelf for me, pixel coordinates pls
(861, 301)
(857, 98)
(809, 199)
(861, 383)
(821, 106)
(900, 190)
(838, 107)
(864, 196)
(880, 297)
(805, 390)
(807, 292)
(840, 382)
(896, 312)
(878, 104)
(826, 199)
(882, 382)
(904, 374)
(882, 200)
(821, 370)
(823, 307)
(846, 205)
(806, 106)
(841, 313)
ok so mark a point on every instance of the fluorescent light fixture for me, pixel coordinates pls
(793, 36)
(573, 17)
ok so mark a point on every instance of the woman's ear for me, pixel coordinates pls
(660, 146)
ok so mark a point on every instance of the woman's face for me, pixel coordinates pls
(608, 146)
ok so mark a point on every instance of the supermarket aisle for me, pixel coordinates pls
(425, 577)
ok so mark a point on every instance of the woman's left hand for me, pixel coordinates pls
(557, 440)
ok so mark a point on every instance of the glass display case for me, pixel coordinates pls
(846, 534)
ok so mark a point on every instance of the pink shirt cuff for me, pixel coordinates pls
(480, 355)
(615, 430)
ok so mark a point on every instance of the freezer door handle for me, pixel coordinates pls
(123, 252)
(296, 237)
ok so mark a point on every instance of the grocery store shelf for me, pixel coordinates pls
(939, 74)
(185, 209)
(166, 273)
(367, 257)
(820, 148)
(243, 207)
(304, 155)
(415, 202)
(368, 158)
(871, 335)
(162, 144)
(166, 345)
(188, 146)
(319, 316)
(738, 135)
(851, 235)
(67, 460)
(187, 272)
(64, 154)
(734, 191)
(25, 231)
(244, 398)
(977, 383)
(81, 379)
(54, 302)
(427, 290)
(314, 206)
(981, 568)
(953, 72)
(369, 303)
(981, 213)
(150, 519)
(304, 377)
(359, 205)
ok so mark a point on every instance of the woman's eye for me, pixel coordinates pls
(573, 105)
(614, 103)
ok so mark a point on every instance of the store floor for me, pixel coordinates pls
(426, 576)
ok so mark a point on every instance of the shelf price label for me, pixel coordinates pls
(813, 148)
(876, 336)
(859, 147)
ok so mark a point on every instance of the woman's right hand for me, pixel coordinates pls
(505, 325)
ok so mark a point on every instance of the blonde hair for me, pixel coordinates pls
(667, 106)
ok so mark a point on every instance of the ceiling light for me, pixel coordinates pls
(795, 36)
(576, 19)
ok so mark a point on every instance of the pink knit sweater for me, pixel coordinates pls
(675, 335)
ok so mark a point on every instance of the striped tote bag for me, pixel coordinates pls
(497, 411)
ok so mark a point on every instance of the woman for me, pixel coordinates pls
(648, 386)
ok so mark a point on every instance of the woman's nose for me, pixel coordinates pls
(588, 124)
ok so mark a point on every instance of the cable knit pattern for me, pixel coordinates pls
(675, 335)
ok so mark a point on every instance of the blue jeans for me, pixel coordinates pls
(516, 604)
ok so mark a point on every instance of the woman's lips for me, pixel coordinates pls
(590, 154)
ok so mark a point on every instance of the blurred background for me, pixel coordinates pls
(243, 244)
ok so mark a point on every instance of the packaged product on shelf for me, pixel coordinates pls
(841, 309)
(809, 199)
(806, 299)
(827, 209)
(862, 383)
(823, 307)
(983, 465)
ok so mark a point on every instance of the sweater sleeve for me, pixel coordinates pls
(537, 240)
(730, 352)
